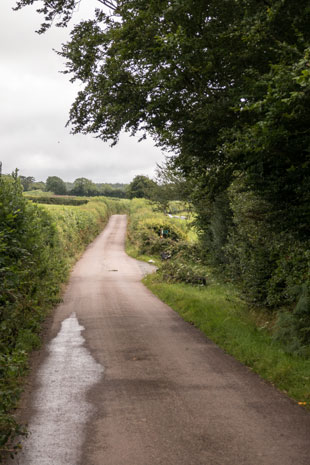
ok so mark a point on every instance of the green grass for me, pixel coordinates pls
(218, 312)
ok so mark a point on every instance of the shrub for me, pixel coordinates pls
(151, 232)
(58, 200)
(293, 327)
(291, 270)
(29, 275)
(180, 271)
(214, 222)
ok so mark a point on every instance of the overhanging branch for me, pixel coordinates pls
(110, 4)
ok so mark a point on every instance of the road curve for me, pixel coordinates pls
(123, 380)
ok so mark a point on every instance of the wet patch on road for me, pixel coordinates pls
(62, 410)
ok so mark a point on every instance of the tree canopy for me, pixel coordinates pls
(27, 182)
(84, 187)
(140, 187)
(56, 185)
(224, 85)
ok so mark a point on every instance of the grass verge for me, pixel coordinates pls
(216, 309)
(218, 312)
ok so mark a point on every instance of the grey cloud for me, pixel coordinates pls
(34, 105)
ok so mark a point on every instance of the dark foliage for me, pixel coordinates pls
(141, 187)
(56, 185)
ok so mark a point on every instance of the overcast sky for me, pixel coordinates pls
(34, 106)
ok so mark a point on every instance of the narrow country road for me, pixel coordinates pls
(123, 380)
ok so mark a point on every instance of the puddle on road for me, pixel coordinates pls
(56, 431)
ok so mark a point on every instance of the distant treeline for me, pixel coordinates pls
(81, 187)
(140, 187)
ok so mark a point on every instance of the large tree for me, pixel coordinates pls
(56, 185)
(140, 187)
(84, 187)
(224, 84)
(27, 182)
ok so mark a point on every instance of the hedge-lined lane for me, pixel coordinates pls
(38, 245)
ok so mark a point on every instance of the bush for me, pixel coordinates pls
(242, 239)
(268, 265)
(29, 273)
(241, 244)
(293, 327)
(180, 271)
(181, 259)
(155, 236)
(153, 232)
(291, 270)
(58, 200)
(251, 254)
(214, 222)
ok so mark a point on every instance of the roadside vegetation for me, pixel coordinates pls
(238, 281)
(224, 88)
(210, 299)
(38, 246)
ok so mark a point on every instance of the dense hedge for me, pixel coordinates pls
(58, 200)
(239, 242)
(153, 232)
(37, 247)
(180, 258)
(241, 238)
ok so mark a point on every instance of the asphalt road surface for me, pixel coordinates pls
(123, 380)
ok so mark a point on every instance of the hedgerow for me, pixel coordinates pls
(274, 343)
(242, 239)
(37, 248)
(239, 242)
(62, 200)
(153, 233)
